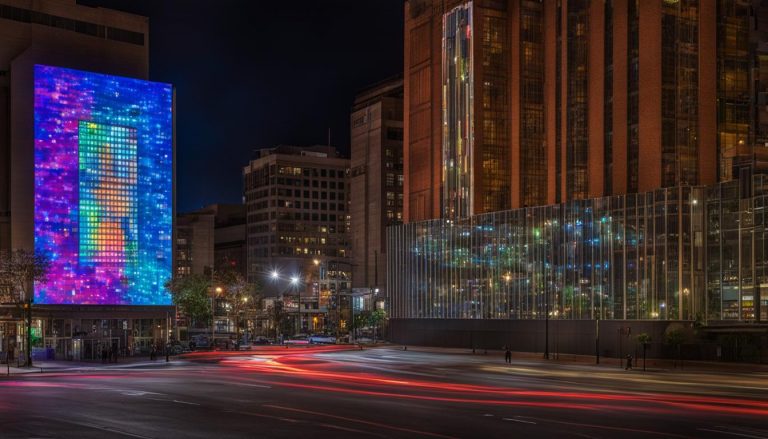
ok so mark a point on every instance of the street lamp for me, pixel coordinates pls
(295, 282)
(217, 291)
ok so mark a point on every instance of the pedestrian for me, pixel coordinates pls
(153, 352)
(103, 354)
(507, 355)
(629, 362)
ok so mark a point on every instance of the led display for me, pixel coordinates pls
(103, 187)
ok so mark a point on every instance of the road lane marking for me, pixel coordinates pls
(261, 415)
(185, 402)
(98, 427)
(519, 420)
(731, 433)
(255, 385)
(351, 430)
(606, 427)
(360, 421)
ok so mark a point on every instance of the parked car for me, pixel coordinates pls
(296, 339)
(322, 339)
(260, 340)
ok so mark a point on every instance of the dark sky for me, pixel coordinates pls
(252, 74)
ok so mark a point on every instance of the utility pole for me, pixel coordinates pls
(167, 333)
(546, 325)
(29, 330)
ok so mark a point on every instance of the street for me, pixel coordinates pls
(339, 391)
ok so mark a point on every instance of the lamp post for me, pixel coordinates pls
(167, 334)
(295, 282)
(216, 291)
(317, 263)
(245, 317)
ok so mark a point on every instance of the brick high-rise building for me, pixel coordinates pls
(376, 193)
(514, 103)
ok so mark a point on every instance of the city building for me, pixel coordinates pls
(229, 243)
(533, 218)
(210, 240)
(518, 103)
(376, 181)
(298, 228)
(195, 243)
(74, 79)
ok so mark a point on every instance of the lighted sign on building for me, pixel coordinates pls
(103, 187)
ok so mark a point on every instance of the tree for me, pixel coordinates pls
(192, 293)
(644, 339)
(19, 270)
(239, 296)
(675, 338)
(376, 318)
(278, 319)
(361, 320)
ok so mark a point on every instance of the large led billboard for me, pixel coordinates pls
(103, 187)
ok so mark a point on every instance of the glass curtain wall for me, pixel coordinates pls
(680, 89)
(682, 253)
(494, 150)
(457, 112)
(633, 96)
(733, 82)
(577, 139)
(608, 99)
(737, 264)
(533, 154)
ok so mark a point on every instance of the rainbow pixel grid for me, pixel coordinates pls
(103, 187)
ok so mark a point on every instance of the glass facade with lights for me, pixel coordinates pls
(682, 253)
(457, 112)
(103, 168)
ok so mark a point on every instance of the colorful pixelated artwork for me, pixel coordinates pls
(103, 187)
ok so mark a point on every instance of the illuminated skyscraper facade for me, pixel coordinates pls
(86, 177)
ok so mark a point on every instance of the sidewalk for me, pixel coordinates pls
(44, 366)
(652, 364)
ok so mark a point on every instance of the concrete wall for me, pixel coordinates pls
(565, 336)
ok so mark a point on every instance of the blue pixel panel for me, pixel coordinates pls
(103, 187)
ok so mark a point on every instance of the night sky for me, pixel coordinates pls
(255, 74)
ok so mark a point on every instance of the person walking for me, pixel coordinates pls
(507, 355)
(153, 352)
(629, 362)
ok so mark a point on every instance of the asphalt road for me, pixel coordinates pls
(336, 392)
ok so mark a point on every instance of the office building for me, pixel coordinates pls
(576, 169)
(195, 243)
(520, 103)
(297, 203)
(376, 181)
(229, 243)
(74, 79)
